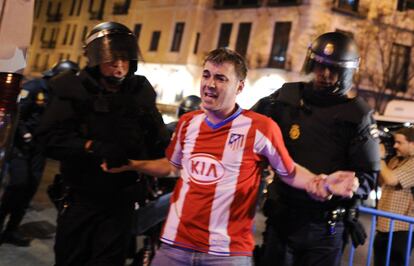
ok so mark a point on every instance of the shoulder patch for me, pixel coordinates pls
(40, 96)
(294, 131)
(23, 94)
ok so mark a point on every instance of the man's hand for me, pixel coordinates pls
(316, 188)
(114, 155)
(116, 170)
(342, 183)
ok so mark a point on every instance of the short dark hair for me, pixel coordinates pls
(408, 133)
(221, 55)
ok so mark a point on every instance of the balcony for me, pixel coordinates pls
(284, 2)
(233, 4)
(121, 8)
(95, 15)
(354, 10)
(48, 44)
(54, 17)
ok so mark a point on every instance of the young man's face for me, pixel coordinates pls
(403, 147)
(118, 68)
(219, 88)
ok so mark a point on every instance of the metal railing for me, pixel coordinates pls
(392, 216)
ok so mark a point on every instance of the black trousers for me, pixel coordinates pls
(93, 235)
(294, 238)
(398, 248)
(26, 170)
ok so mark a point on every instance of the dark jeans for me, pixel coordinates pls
(152, 214)
(398, 248)
(93, 235)
(26, 170)
(296, 240)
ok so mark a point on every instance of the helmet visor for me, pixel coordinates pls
(111, 47)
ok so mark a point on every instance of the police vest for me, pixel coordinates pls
(321, 138)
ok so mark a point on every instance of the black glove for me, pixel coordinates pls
(114, 155)
(356, 229)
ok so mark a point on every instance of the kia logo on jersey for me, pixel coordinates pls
(205, 169)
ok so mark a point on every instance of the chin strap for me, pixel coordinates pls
(113, 80)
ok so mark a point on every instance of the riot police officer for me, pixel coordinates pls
(105, 113)
(324, 130)
(59, 67)
(188, 104)
(26, 163)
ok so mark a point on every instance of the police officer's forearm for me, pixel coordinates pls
(159, 168)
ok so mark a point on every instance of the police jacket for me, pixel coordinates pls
(81, 110)
(33, 100)
(324, 135)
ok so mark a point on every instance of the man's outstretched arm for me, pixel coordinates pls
(159, 167)
(340, 183)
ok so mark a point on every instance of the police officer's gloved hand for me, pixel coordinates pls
(27, 137)
(356, 230)
(114, 155)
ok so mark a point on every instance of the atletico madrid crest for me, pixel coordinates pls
(236, 141)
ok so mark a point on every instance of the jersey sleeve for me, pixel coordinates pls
(269, 143)
(174, 149)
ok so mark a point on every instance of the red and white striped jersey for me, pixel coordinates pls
(214, 201)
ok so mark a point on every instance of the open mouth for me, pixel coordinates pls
(210, 95)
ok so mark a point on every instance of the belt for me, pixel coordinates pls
(335, 214)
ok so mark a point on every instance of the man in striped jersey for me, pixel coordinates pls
(217, 152)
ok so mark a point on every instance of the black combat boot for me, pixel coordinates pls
(11, 234)
(15, 238)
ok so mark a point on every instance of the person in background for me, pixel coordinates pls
(187, 104)
(218, 153)
(324, 130)
(397, 181)
(105, 113)
(26, 162)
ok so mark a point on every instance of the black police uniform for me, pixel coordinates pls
(95, 223)
(324, 134)
(26, 163)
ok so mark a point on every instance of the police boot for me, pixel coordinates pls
(11, 234)
(15, 238)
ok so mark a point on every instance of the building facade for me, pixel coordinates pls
(273, 35)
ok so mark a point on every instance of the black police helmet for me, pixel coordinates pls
(109, 41)
(188, 104)
(334, 50)
(60, 67)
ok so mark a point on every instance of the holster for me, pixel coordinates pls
(354, 227)
(58, 193)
